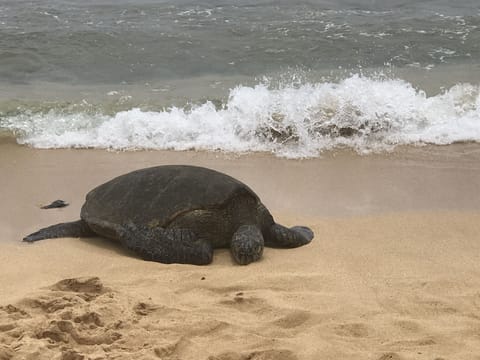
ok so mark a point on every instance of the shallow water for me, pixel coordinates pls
(293, 79)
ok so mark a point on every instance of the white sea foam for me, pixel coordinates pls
(368, 115)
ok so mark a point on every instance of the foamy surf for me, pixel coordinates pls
(293, 121)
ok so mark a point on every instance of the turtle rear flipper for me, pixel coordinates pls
(77, 228)
(281, 236)
(167, 246)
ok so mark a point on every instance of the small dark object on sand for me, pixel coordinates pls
(55, 204)
(179, 214)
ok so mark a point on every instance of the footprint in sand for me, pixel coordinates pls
(357, 330)
(273, 354)
(86, 285)
(67, 293)
(72, 355)
(65, 314)
(66, 332)
(7, 327)
(293, 320)
(49, 305)
(408, 326)
(434, 307)
(244, 303)
(89, 318)
(402, 344)
(144, 309)
(10, 317)
(5, 353)
(168, 349)
(14, 312)
(390, 356)
(79, 319)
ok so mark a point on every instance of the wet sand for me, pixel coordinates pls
(393, 271)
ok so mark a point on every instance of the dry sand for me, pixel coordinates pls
(393, 271)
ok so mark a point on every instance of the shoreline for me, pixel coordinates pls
(392, 272)
(337, 184)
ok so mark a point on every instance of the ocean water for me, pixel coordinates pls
(292, 78)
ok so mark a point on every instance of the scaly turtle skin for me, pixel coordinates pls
(179, 214)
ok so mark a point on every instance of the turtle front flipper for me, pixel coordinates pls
(247, 244)
(166, 245)
(70, 229)
(281, 236)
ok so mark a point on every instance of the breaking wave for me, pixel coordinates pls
(294, 121)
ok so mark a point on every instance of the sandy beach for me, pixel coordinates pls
(392, 273)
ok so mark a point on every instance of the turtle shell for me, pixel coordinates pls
(155, 196)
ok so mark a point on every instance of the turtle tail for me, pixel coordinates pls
(77, 228)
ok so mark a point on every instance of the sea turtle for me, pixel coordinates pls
(179, 214)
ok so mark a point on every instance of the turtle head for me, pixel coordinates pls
(281, 236)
